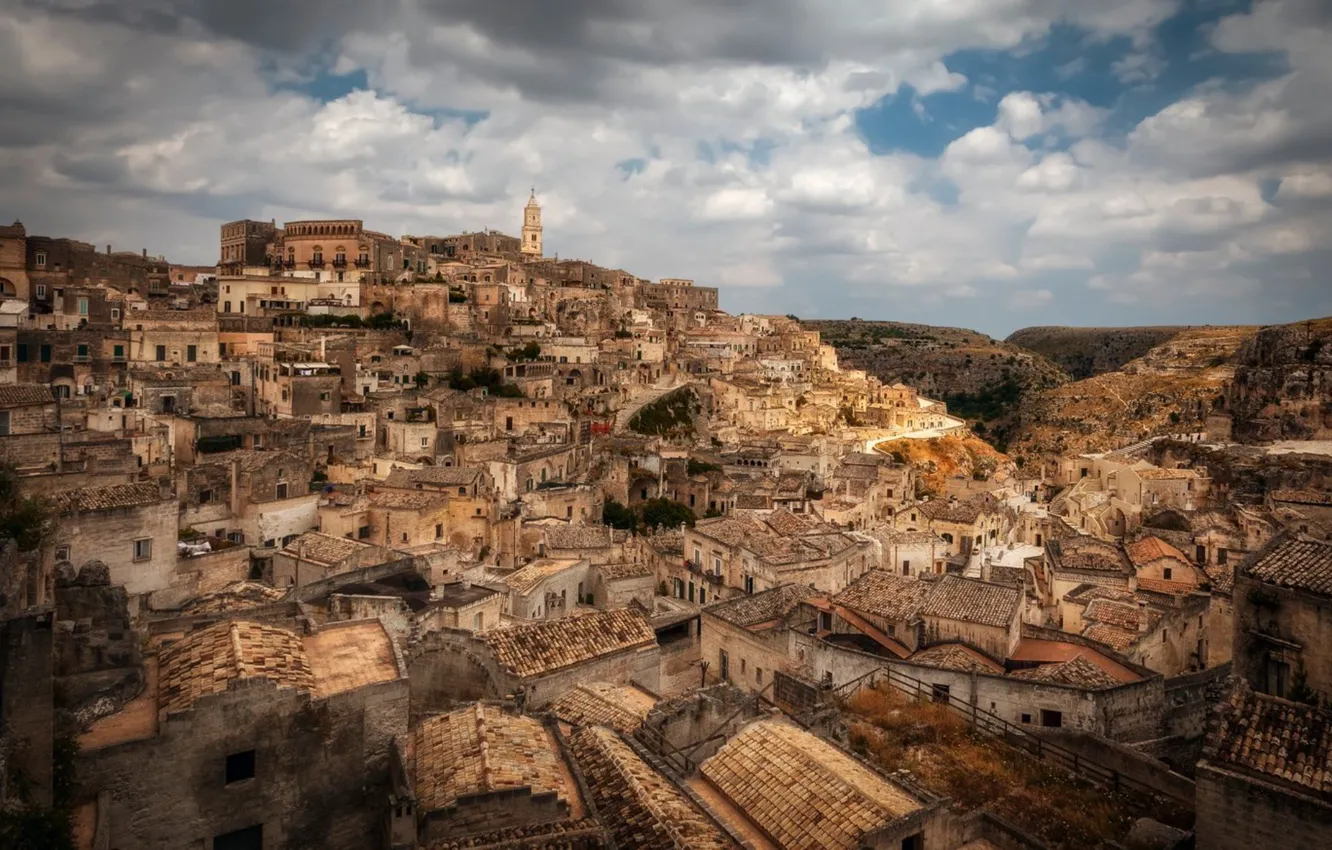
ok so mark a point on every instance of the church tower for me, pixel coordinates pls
(532, 227)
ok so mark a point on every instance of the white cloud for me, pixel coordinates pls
(163, 135)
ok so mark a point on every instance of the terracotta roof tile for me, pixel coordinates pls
(639, 807)
(1303, 496)
(1281, 740)
(880, 593)
(1150, 549)
(480, 749)
(620, 707)
(24, 395)
(1122, 615)
(1077, 671)
(1295, 563)
(526, 579)
(1112, 636)
(761, 607)
(110, 498)
(206, 661)
(974, 601)
(955, 656)
(323, 548)
(801, 790)
(554, 645)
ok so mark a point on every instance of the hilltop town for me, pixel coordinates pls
(354, 540)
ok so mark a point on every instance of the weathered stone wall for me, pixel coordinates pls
(1283, 384)
(321, 770)
(1239, 813)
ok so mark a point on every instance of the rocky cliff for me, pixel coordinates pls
(1282, 388)
(982, 379)
(1087, 352)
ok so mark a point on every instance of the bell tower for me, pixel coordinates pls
(532, 227)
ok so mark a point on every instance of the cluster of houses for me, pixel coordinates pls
(438, 542)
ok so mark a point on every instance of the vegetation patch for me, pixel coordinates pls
(668, 416)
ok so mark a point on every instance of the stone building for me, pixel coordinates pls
(217, 750)
(547, 588)
(245, 244)
(26, 409)
(745, 640)
(1283, 618)
(531, 240)
(132, 528)
(1263, 780)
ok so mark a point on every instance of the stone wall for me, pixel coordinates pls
(321, 770)
(97, 663)
(1236, 812)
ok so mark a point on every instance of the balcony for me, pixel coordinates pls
(362, 262)
(316, 263)
(339, 262)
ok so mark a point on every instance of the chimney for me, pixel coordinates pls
(108, 249)
(1142, 617)
(145, 253)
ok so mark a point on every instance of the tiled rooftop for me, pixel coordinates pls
(1078, 672)
(236, 596)
(208, 660)
(639, 807)
(581, 536)
(1160, 474)
(955, 656)
(802, 791)
(323, 548)
(24, 395)
(551, 835)
(1297, 564)
(480, 749)
(1275, 738)
(1303, 496)
(526, 579)
(543, 647)
(961, 511)
(438, 476)
(973, 601)
(761, 607)
(401, 500)
(621, 707)
(1150, 549)
(116, 496)
(614, 572)
(1124, 615)
(1112, 636)
(880, 593)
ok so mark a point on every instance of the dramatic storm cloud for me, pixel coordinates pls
(991, 164)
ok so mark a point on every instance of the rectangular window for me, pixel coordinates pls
(83, 306)
(1052, 719)
(118, 352)
(425, 441)
(143, 548)
(749, 584)
(23, 352)
(1222, 556)
(45, 353)
(825, 621)
(906, 568)
(62, 553)
(723, 665)
(5, 353)
(191, 353)
(439, 530)
(161, 353)
(1200, 554)
(363, 532)
(1278, 677)
(4, 422)
(41, 292)
(81, 351)
(205, 496)
(478, 621)
(939, 693)
(249, 838)
(1166, 573)
(115, 313)
(282, 490)
(240, 766)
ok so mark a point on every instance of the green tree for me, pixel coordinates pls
(26, 520)
(618, 515)
(421, 379)
(666, 513)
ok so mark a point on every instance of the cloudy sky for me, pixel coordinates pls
(985, 163)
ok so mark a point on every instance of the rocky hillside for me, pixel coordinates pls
(981, 378)
(1170, 389)
(1087, 352)
(943, 458)
(1282, 388)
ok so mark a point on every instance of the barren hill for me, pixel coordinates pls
(1170, 389)
(981, 378)
(1086, 352)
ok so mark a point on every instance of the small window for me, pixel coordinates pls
(115, 314)
(758, 675)
(143, 549)
(1026, 718)
(478, 621)
(205, 496)
(363, 532)
(425, 441)
(45, 353)
(83, 306)
(1052, 719)
(81, 351)
(282, 490)
(191, 353)
(240, 767)
(825, 621)
(439, 530)
(1166, 573)
(41, 291)
(161, 353)
(1222, 556)
(41, 259)
(62, 552)
(939, 693)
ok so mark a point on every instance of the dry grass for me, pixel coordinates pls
(980, 772)
(942, 458)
